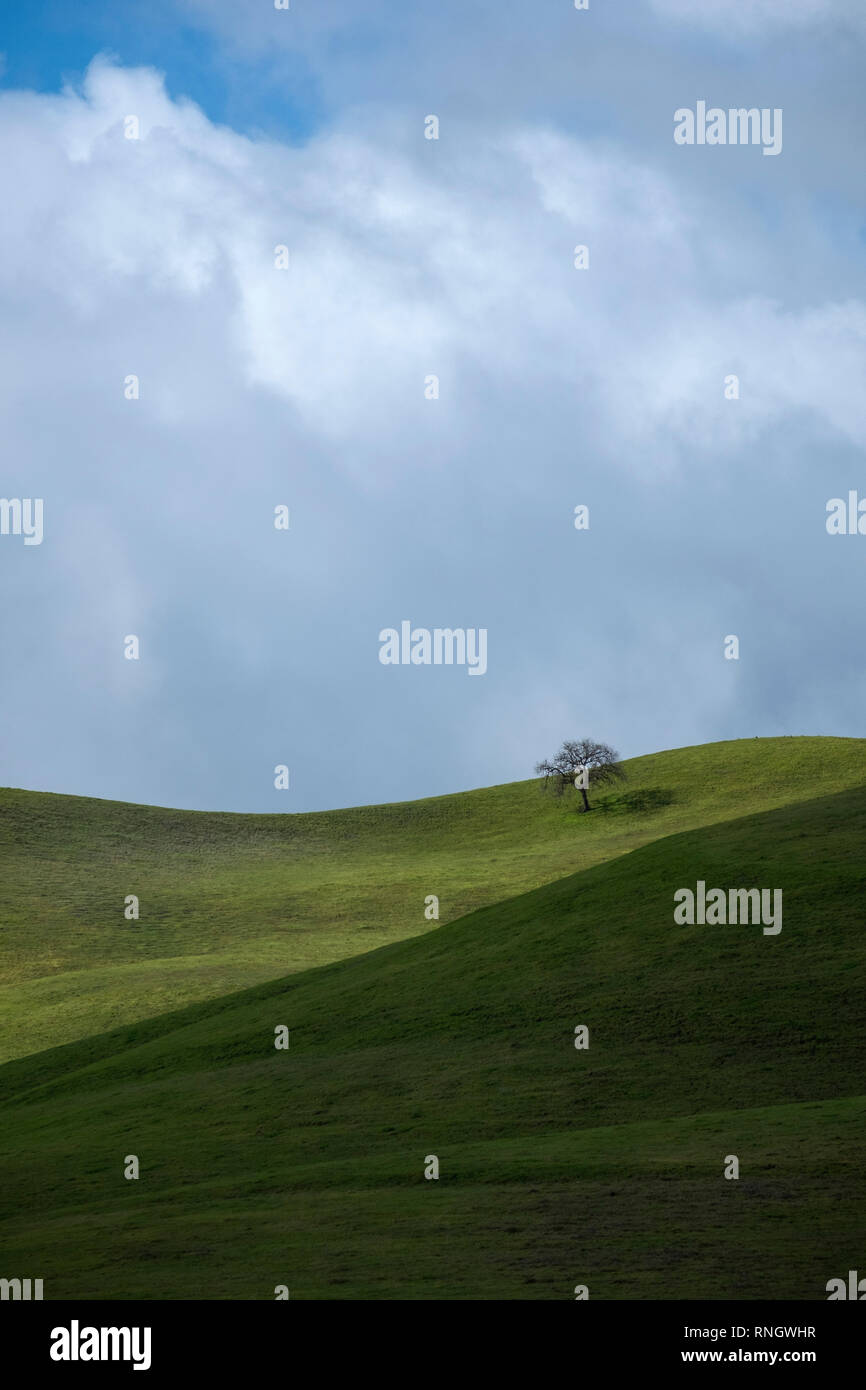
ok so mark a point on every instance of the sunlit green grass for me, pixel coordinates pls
(233, 900)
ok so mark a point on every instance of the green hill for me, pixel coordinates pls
(559, 1167)
(229, 901)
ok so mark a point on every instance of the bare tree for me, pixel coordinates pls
(581, 763)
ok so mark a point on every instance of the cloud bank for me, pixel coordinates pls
(159, 258)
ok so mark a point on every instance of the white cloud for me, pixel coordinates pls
(156, 257)
(400, 265)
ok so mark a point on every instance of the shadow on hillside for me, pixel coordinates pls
(623, 803)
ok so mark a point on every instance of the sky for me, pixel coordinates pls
(301, 379)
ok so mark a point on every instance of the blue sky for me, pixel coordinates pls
(409, 257)
(48, 43)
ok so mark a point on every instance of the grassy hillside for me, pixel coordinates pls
(232, 900)
(558, 1166)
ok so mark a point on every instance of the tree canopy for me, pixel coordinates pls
(581, 763)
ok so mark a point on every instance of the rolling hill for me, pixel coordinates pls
(558, 1166)
(233, 900)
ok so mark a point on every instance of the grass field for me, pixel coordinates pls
(233, 900)
(558, 1167)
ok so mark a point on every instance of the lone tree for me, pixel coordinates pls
(580, 764)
